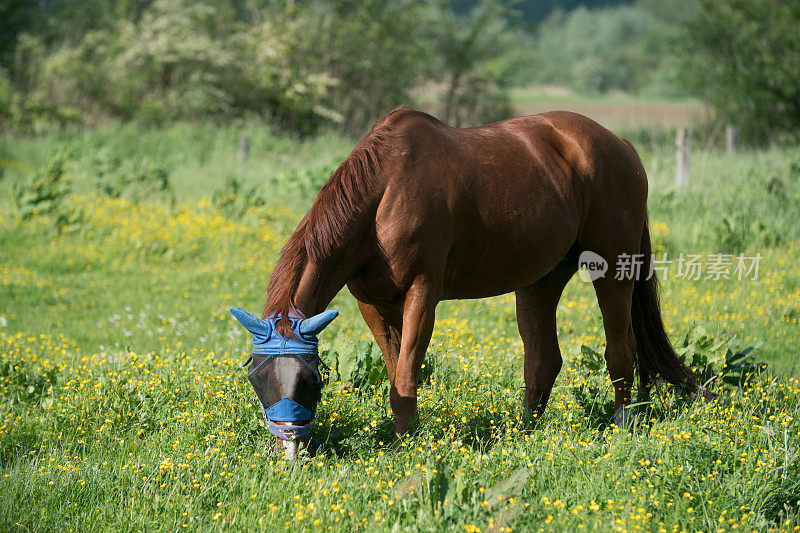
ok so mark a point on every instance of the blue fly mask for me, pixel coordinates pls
(284, 371)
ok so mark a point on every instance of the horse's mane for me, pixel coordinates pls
(327, 226)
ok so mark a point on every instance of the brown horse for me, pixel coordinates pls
(421, 212)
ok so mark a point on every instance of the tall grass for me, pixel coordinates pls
(123, 405)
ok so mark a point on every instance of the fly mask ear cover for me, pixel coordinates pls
(285, 358)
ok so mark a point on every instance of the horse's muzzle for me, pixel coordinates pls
(290, 437)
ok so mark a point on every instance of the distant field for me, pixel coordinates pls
(614, 110)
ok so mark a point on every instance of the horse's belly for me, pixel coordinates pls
(493, 273)
(486, 261)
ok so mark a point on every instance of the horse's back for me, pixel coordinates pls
(557, 141)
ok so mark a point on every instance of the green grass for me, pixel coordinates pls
(123, 405)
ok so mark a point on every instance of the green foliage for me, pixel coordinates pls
(301, 64)
(235, 200)
(138, 180)
(591, 359)
(26, 382)
(376, 51)
(794, 170)
(18, 16)
(594, 393)
(45, 192)
(744, 57)
(360, 365)
(7, 97)
(740, 368)
(698, 348)
(748, 213)
(702, 352)
(533, 12)
(735, 232)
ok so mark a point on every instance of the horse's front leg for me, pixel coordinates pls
(419, 312)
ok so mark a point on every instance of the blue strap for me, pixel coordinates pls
(289, 431)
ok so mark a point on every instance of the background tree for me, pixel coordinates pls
(466, 45)
(376, 51)
(744, 57)
(16, 17)
(306, 65)
(532, 12)
(597, 50)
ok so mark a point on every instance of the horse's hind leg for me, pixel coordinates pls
(614, 297)
(536, 319)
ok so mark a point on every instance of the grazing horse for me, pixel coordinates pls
(421, 212)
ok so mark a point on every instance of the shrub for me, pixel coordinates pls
(45, 192)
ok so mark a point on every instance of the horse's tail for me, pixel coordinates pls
(656, 357)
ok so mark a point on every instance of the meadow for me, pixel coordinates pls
(123, 404)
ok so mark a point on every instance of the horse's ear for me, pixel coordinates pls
(253, 324)
(311, 327)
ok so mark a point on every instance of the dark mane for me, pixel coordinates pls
(327, 226)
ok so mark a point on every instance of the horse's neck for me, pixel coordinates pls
(319, 284)
(329, 245)
(308, 288)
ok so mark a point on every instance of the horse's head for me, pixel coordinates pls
(284, 372)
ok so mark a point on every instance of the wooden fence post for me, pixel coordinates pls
(732, 134)
(244, 149)
(683, 148)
